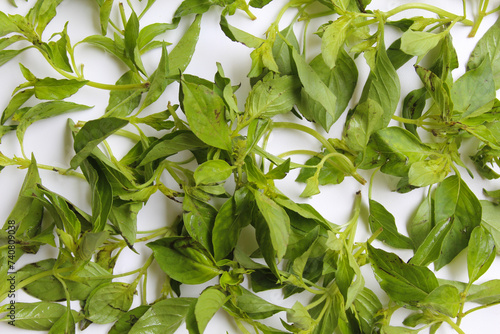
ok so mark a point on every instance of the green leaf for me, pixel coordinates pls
(158, 79)
(427, 172)
(381, 218)
(15, 103)
(92, 134)
(419, 43)
(198, 266)
(193, 7)
(404, 283)
(170, 144)
(123, 217)
(104, 14)
(237, 35)
(149, 32)
(7, 26)
(80, 283)
(89, 242)
(474, 92)
(205, 113)
(400, 148)
(486, 293)
(413, 105)
(209, 302)
(230, 220)
(254, 306)
(163, 317)
(490, 220)
(488, 47)
(37, 316)
(42, 13)
(6, 55)
(437, 90)
(127, 320)
(456, 204)
(111, 46)
(199, 218)
(59, 50)
(212, 171)
(45, 110)
(180, 56)
(316, 89)
(122, 102)
(281, 51)
(366, 120)
(421, 223)
(271, 96)
(277, 221)
(480, 253)
(333, 39)
(108, 302)
(444, 299)
(131, 35)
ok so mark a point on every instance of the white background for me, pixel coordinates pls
(51, 142)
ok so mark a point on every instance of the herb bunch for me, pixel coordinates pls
(226, 181)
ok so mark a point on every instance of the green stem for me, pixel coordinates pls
(303, 128)
(427, 7)
(478, 308)
(482, 13)
(453, 325)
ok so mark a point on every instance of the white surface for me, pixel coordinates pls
(51, 143)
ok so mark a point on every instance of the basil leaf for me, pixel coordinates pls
(205, 113)
(37, 316)
(480, 253)
(163, 317)
(127, 320)
(209, 302)
(198, 265)
(381, 218)
(53, 89)
(108, 302)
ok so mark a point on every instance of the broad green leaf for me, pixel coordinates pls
(199, 218)
(281, 51)
(101, 193)
(366, 120)
(212, 171)
(480, 253)
(205, 113)
(367, 306)
(430, 247)
(254, 306)
(7, 26)
(88, 244)
(149, 32)
(66, 323)
(42, 13)
(444, 299)
(108, 302)
(198, 266)
(131, 33)
(277, 221)
(45, 110)
(80, 283)
(456, 204)
(128, 319)
(54, 89)
(413, 105)
(437, 89)
(15, 103)
(404, 283)
(401, 149)
(316, 89)
(381, 218)
(419, 43)
(427, 172)
(122, 102)
(6, 55)
(92, 134)
(473, 91)
(158, 80)
(110, 46)
(490, 220)
(271, 96)
(230, 220)
(258, 3)
(36, 316)
(333, 39)
(382, 85)
(170, 144)
(193, 7)
(104, 14)
(163, 317)
(237, 35)
(180, 56)
(488, 47)
(209, 302)
(123, 216)
(299, 316)
(421, 223)
(486, 293)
